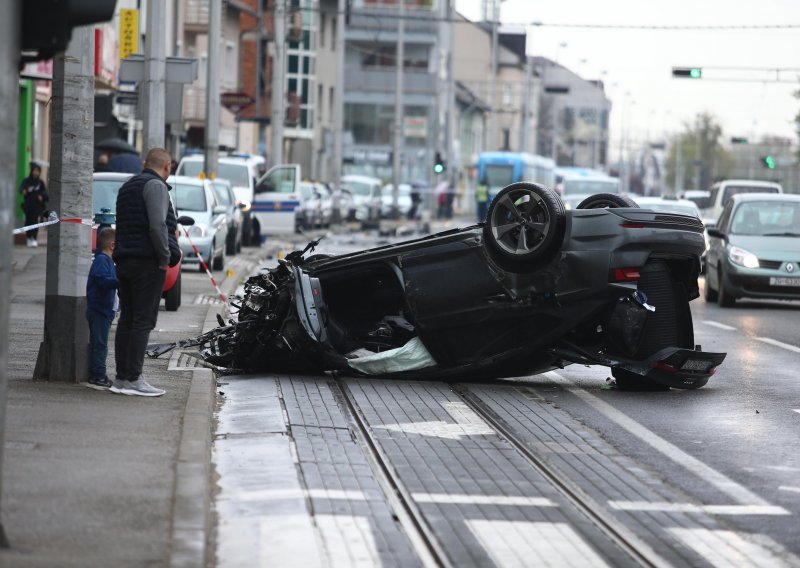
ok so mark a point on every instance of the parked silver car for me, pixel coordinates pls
(196, 198)
(226, 197)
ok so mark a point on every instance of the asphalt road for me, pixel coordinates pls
(560, 469)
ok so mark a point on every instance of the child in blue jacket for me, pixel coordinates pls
(101, 293)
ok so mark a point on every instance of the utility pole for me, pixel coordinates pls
(153, 89)
(492, 145)
(398, 104)
(211, 153)
(10, 26)
(278, 82)
(525, 135)
(450, 109)
(63, 353)
(338, 106)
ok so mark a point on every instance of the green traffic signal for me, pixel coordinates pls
(690, 72)
(438, 164)
(768, 162)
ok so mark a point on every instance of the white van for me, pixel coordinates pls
(367, 200)
(722, 191)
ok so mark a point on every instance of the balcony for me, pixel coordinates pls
(383, 81)
(196, 15)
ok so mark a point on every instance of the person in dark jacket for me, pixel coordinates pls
(34, 202)
(101, 296)
(146, 245)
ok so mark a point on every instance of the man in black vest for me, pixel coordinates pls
(146, 245)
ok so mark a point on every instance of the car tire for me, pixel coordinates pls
(524, 226)
(172, 298)
(230, 243)
(606, 200)
(669, 326)
(255, 234)
(724, 297)
(219, 261)
(709, 294)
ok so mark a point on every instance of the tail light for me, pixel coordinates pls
(630, 274)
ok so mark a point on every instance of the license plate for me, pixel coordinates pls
(782, 281)
(695, 365)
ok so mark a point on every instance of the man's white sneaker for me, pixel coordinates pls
(140, 387)
(118, 386)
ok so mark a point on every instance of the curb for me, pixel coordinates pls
(191, 506)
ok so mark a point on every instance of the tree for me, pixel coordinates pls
(697, 155)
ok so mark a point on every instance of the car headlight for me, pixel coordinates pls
(197, 231)
(742, 257)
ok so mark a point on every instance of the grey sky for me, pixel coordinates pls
(639, 62)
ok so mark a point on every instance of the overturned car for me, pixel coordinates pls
(534, 288)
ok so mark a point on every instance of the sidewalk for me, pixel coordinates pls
(96, 479)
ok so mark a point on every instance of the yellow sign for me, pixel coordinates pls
(128, 32)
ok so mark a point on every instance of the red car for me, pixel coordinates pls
(105, 187)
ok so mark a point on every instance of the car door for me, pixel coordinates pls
(716, 245)
(276, 198)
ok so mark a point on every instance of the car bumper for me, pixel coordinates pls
(203, 245)
(761, 283)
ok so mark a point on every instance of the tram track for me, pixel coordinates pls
(420, 533)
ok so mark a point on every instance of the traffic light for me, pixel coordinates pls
(438, 164)
(688, 72)
(768, 162)
(47, 25)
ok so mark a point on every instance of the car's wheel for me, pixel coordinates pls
(255, 234)
(724, 296)
(606, 200)
(246, 230)
(230, 243)
(525, 225)
(669, 326)
(172, 299)
(219, 261)
(709, 294)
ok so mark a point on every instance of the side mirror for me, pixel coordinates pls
(186, 221)
(716, 233)
(219, 210)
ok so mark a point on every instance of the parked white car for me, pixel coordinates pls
(366, 193)
(403, 200)
(196, 198)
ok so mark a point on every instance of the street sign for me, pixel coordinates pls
(128, 32)
(235, 102)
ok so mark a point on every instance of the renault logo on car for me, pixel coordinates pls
(789, 267)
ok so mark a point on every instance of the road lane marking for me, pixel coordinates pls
(728, 548)
(446, 499)
(349, 541)
(299, 493)
(719, 325)
(780, 344)
(517, 544)
(739, 493)
(788, 488)
(439, 429)
(665, 507)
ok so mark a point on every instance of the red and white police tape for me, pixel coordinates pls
(205, 266)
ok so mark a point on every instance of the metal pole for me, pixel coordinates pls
(10, 26)
(278, 81)
(260, 142)
(398, 105)
(338, 106)
(153, 91)
(451, 91)
(492, 144)
(211, 153)
(524, 144)
(63, 353)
